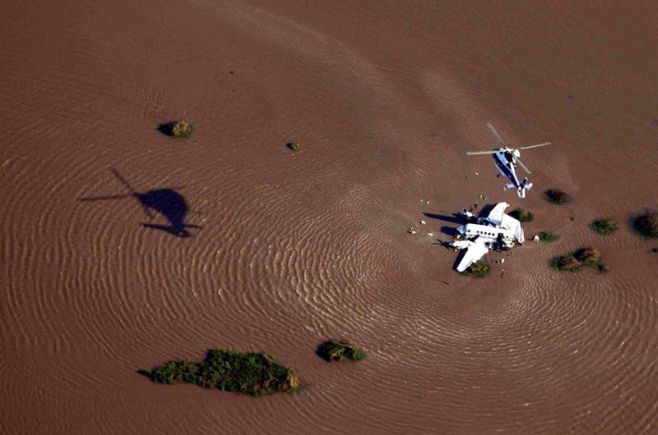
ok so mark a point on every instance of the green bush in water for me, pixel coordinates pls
(250, 373)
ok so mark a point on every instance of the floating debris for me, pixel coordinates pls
(412, 230)
(423, 222)
(430, 234)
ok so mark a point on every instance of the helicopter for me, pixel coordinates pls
(506, 159)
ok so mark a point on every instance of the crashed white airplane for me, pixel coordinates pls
(496, 230)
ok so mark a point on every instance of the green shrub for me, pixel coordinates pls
(251, 373)
(547, 236)
(295, 146)
(522, 215)
(605, 226)
(479, 269)
(339, 350)
(173, 371)
(566, 263)
(581, 257)
(646, 224)
(178, 129)
(557, 196)
(588, 256)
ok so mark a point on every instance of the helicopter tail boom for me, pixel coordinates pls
(525, 185)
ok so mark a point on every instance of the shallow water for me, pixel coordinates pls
(292, 248)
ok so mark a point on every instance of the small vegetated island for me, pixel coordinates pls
(548, 236)
(339, 350)
(574, 261)
(177, 129)
(646, 223)
(294, 146)
(604, 226)
(479, 269)
(522, 215)
(253, 373)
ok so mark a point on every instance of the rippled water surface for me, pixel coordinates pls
(123, 248)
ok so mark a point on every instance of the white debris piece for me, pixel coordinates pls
(412, 230)
(477, 173)
(536, 238)
(430, 234)
(423, 222)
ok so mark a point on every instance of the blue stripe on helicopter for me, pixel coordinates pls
(506, 172)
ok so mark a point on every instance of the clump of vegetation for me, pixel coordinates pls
(573, 261)
(178, 129)
(646, 224)
(252, 373)
(522, 215)
(339, 350)
(557, 196)
(479, 269)
(566, 263)
(588, 256)
(295, 146)
(605, 226)
(547, 236)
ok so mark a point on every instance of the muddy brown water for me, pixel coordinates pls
(292, 248)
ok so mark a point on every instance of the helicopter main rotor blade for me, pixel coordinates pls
(525, 168)
(477, 153)
(495, 133)
(534, 146)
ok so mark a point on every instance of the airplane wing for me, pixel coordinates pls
(496, 214)
(474, 251)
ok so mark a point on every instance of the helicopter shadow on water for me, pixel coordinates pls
(166, 202)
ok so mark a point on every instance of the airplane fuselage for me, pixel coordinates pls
(488, 233)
